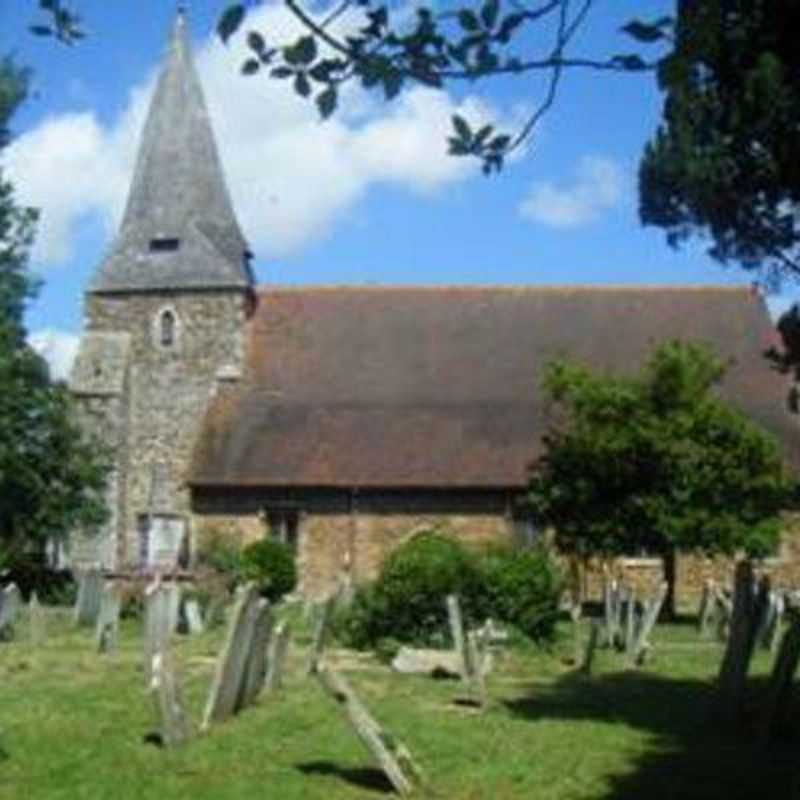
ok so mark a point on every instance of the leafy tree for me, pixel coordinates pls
(656, 462)
(50, 477)
(726, 159)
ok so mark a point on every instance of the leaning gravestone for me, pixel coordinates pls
(321, 626)
(255, 672)
(10, 604)
(233, 660)
(90, 590)
(193, 617)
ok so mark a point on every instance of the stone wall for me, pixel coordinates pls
(168, 389)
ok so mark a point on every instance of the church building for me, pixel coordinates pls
(338, 418)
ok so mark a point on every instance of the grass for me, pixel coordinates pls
(73, 722)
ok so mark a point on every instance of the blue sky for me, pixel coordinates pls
(369, 197)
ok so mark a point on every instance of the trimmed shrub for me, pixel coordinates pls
(407, 602)
(523, 588)
(270, 564)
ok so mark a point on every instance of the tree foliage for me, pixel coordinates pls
(656, 462)
(50, 478)
(726, 159)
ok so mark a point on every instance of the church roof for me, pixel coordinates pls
(179, 229)
(440, 387)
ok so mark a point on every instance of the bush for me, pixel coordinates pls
(523, 588)
(271, 565)
(407, 602)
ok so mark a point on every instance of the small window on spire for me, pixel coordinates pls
(167, 332)
(164, 245)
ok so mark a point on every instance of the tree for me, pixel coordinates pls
(656, 463)
(726, 159)
(51, 478)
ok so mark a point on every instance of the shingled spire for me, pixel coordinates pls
(179, 230)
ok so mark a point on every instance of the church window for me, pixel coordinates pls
(167, 328)
(164, 245)
(283, 526)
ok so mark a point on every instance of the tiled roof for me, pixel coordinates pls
(439, 387)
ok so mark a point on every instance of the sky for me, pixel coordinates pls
(367, 197)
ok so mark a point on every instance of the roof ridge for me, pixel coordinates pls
(266, 288)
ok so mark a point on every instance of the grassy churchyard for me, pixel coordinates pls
(77, 723)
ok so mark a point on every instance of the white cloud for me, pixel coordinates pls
(291, 176)
(596, 188)
(58, 348)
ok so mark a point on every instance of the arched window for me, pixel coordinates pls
(167, 328)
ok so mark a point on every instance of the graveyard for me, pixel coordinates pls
(145, 707)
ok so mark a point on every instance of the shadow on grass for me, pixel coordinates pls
(692, 757)
(364, 778)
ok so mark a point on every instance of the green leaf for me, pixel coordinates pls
(326, 102)
(302, 85)
(483, 134)
(41, 30)
(468, 20)
(456, 147)
(392, 84)
(499, 142)
(306, 49)
(643, 31)
(462, 128)
(251, 66)
(632, 62)
(508, 26)
(281, 72)
(255, 41)
(230, 21)
(489, 13)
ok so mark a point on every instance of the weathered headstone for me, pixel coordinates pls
(168, 701)
(778, 706)
(391, 755)
(107, 629)
(10, 604)
(652, 609)
(321, 626)
(460, 644)
(575, 613)
(276, 659)
(232, 661)
(255, 672)
(591, 647)
(706, 610)
(157, 622)
(193, 617)
(773, 631)
(90, 589)
(35, 620)
(438, 663)
(747, 605)
(631, 621)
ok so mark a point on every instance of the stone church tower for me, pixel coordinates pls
(164, 321)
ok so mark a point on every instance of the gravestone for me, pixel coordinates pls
(90, 590)
(193, 617)
(437, 663)
(321, 626)
(591, 647)
(10, 605)
(391, 755)
(107, 629)
(167, 697)
(652, 608)
(279, 646)
(157, 624)
(460, 644)
(233, 659)
(255, 672)
(35, 620)
(778, 707)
